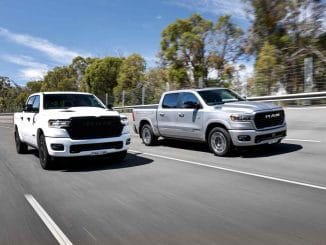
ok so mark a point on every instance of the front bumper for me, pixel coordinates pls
(106, 145)
(258, 137)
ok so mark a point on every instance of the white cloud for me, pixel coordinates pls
(23, 60)
(236, 8)
(32, 70)
(32, 73)
(55, 52)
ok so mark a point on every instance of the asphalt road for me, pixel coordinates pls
(173, 193)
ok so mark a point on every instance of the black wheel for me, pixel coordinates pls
(147, 135)
(119, 156)
(21, 147)
(219, 142)
(46, 160)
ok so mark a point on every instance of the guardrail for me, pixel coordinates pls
(270, 98)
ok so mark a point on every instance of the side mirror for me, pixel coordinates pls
(198, 106)
(191, 105)
(109, 106)
(28, 108)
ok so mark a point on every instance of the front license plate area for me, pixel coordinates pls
(98, 153)
(273, 141)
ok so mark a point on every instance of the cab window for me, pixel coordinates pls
(36, 104)
(170, 100)
(188, 101)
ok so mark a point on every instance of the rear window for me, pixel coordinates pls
(170, 100)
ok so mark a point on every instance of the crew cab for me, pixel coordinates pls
(70, 124)
(217, 116)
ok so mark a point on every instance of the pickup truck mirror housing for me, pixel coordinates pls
(191, 105)
(109, 106)
(28, 108)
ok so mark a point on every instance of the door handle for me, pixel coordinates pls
(162, 114)
(181, 114)
(21, 118)
(28, 119)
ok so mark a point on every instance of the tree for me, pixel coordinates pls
(183, 50)
(79, 65)
(60, 79)
(226, 44)
(295, 29)
(9, 92)
(131, 79)
(101, 76)
(266, 71)
(157, 81)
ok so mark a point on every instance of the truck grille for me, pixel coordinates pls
(97, 146)
(260, 138)
(269, 119)
(94, 127)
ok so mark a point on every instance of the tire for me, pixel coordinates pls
(21, 147)
(219, 142)
(147, 135)
(119, 156)
(46, 160)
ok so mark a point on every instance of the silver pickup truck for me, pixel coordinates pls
(217, 116)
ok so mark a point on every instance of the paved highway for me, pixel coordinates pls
(173, 193)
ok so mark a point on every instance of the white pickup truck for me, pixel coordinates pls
(70, 124)
(217, 116)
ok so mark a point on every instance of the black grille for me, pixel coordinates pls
(260, 138)
(94, 127)
(97, 146)
(269, 119)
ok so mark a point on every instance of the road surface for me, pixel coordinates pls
(173, 193)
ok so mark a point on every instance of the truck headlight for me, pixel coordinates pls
(241, 117)
(124, 120)
(59, 123)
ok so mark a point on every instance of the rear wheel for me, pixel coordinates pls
(147, 135)
(46, 160)
(219, 142)
(21, 147)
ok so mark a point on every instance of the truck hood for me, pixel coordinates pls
(248, 106)
(78, 112)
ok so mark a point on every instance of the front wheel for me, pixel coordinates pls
(21, 147)
(147, 135)
(46, 160)
(219, 142)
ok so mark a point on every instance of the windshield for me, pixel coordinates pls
(219, 96)
(64, 101)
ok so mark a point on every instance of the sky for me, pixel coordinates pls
(37, 35)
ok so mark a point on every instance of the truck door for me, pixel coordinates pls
(167, 115)
(25, 119)
(189, 122)
(32, 123)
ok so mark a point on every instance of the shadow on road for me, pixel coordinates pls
(245, 152)
(268, 150)
(186, 145)
(88, 164)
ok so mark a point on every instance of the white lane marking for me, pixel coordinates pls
(54, 229)
(313, 141)
(90, 234)
(235, 171)
(6, 127)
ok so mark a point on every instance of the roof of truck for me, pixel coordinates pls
(60, 92)
(195, 89)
